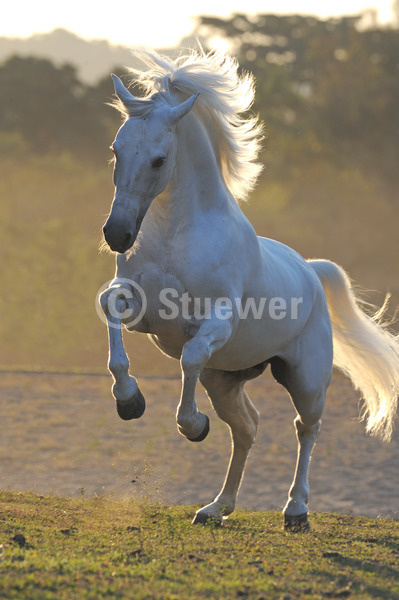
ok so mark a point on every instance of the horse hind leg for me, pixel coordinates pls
(296, 509)
(307, 386)
(232, 405)
(130, 402)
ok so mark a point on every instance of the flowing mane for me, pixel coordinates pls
(225, 94)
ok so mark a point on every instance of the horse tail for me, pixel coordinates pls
(364, 349)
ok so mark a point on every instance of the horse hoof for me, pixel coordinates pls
(133, 408)
(204, 433)
(296, 524)
(204, 519)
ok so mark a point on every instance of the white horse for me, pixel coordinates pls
(194, 276)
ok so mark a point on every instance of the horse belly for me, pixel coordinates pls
(255, 342)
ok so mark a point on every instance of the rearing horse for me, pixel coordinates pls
(194, 276)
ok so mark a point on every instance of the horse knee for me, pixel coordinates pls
(195, 353)
(113, 302)
(104, 300)
(118, 303)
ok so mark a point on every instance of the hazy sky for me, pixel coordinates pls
(155, 23)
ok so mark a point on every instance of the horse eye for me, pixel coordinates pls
(158, 162)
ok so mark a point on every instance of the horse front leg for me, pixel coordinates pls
(211, 336)
(115, 302)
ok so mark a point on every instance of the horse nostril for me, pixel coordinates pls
(118, 241)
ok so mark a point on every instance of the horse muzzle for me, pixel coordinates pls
(121, 233)
(119, 241)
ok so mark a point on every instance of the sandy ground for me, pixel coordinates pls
(61, 434)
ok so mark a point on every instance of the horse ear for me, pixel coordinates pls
(178, 112)
(123, 94)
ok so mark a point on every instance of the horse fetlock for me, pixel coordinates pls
(124, 388)
(225, 503)
(195, 430)
(296, 506)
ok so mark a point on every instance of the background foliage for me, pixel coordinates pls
(328, 93)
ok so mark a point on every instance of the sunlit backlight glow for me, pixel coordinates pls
(166, 24)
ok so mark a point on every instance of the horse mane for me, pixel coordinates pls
(224, 94)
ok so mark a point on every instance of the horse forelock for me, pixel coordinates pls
(136, 107)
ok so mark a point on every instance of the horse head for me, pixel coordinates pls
(145, 151)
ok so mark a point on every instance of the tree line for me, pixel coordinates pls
(329, 81)
(45, 108)
(325, 88)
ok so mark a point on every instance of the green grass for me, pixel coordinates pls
(72, 549)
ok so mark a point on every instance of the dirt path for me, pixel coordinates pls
(61, 434)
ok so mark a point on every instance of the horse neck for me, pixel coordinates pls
(197, 184)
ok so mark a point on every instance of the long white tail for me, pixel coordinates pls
(363, 349)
